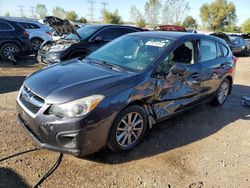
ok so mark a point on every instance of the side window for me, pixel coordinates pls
(107, 34)
(219, 50)
(33, 26)
(5, 26)
(225, 50)
(207, 50)
(29, 25)
(185, 53)
(123, 31)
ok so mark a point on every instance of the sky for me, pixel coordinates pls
(82, 7)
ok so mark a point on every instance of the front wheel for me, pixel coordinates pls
(8, 51)
(222, 93)
(128, 129)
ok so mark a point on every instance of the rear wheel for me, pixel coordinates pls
(8, 50)
(36, 43)
(128, 129)
(222, 93)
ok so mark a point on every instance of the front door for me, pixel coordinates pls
(180, 86)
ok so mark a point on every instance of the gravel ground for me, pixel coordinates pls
(205, 147)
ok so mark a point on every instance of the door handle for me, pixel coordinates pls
(194, 75)
(222, 66)
(193, 79)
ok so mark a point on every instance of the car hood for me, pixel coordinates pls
(61, 27)
(72, 80)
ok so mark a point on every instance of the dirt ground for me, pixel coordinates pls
(205, 147)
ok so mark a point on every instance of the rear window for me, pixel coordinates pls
(225, 50)
(29, 25)
(5, 26)
(207, 50)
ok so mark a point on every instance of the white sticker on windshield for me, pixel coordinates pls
(156, 43)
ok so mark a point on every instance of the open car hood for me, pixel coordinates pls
(61, 27)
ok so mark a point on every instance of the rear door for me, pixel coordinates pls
(213, 65)
(176, 91)
(6, 31)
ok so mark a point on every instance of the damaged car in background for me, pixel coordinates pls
(78, 42)
(116, 93)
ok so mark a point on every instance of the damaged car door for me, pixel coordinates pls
(178, 84)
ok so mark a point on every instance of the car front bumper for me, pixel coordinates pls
(48, 58)
(74, 137)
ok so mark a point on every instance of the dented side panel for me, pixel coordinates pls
(177, 92)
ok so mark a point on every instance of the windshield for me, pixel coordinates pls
(83, 32)
(132, 52)
(235, 40)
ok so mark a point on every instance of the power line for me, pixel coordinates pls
(21, 10)
(32, 9)
(91, 9)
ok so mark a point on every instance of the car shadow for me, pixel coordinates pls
(11, 179)
(24, 61)
(191, 126)
(10, 83)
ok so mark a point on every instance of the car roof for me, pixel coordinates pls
(175, 35)
(112, 25)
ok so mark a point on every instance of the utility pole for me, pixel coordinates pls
(104, 4)
(21, 10)
(91, 9)
(32, 9)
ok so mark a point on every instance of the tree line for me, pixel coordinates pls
(219, 15)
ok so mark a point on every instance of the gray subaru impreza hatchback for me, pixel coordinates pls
(115, 94)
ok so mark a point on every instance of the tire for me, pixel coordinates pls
(36, 43)
(222, 93)
(8, 48)
(120, 132)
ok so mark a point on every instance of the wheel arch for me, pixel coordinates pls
(230, 79)
(36, 38)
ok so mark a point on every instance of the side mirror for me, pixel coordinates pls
(178, 69)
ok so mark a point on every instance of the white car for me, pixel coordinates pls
(38, 33)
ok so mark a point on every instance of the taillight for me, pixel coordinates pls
(49, 33)
(25, 33)
(235, 59)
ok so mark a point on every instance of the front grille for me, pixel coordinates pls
(30, 100)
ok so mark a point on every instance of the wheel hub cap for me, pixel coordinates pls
(129, 129)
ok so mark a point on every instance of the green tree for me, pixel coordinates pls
(174, 11)
(59, 12)
(245, 27)
(141, 23)
(112, 17)
(218, 14)
(190, 22)
(7, 14)
(72, 16)
(136, 17)
(152, 12)
(41, 10)
(83, 20)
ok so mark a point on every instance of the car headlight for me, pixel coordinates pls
(77, 107)
(58, 47)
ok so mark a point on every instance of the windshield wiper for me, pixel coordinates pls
(106, 64)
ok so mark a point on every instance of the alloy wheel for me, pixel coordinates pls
(9, 50)
(36, 44)
(223, 92)
(129, 129)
